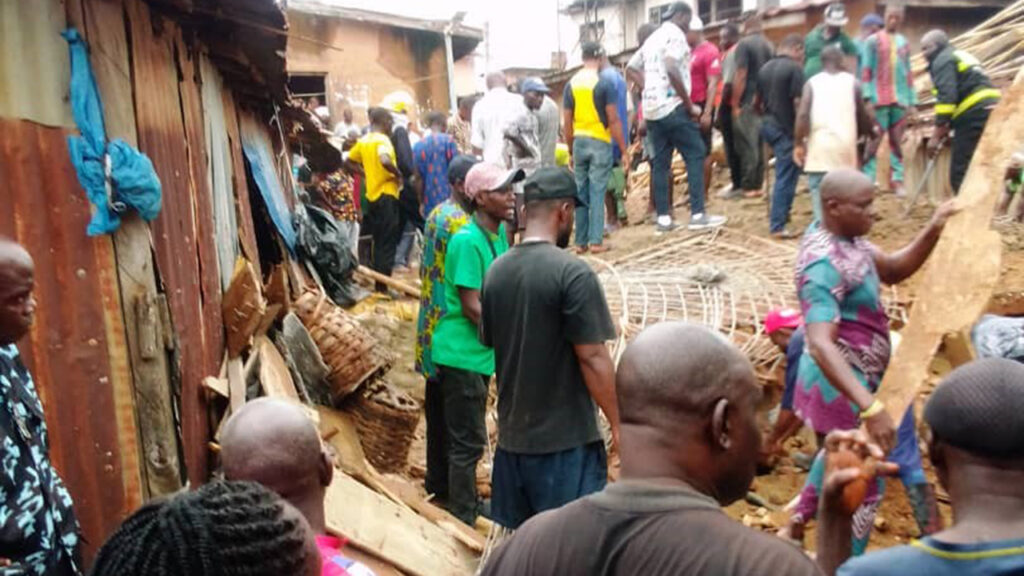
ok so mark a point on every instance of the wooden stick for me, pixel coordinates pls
(389, 281)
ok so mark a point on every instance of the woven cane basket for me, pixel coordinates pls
(353, 355)
(386, 419)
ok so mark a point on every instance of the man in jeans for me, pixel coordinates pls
(544, 312)
(664, 61)
(591, 122)
(463, 363)
(779, 87)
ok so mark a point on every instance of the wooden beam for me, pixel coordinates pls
(963, 271)
(376, 525)
(150, 372)
(244, 307)
(389, 281)
(274, 375)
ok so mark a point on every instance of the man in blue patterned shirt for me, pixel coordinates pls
(39, 534)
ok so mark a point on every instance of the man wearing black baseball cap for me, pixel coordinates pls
(545, 315)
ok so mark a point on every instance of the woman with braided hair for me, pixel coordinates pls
(224, 528)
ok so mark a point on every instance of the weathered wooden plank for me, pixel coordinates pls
(246, 228)
(243, 307)
(274, 375)
(962, 272)
(393, 533)
(202, 194)
(236, 383)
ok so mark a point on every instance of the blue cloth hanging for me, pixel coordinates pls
(115, 176)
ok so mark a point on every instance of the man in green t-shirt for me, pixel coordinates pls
(464, 364)
(826, 34)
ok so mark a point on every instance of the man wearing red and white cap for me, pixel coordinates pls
(784, 326)
(463, 363)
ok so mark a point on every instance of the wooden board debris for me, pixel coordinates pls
(277, 289)
(410, 495)
(274, 375)
(218, 386)
(962, 272)
(243, 307)
(388, 281)
(376, 525)
(339, 430)
(236, 384)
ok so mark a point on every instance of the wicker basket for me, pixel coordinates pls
(352, 354)
(386, 419)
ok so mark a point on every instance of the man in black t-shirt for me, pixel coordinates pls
(689, 446)
(753, 52)
(780, 84)
(545, 315)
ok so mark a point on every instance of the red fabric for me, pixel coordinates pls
(707, 62)
(330, 552)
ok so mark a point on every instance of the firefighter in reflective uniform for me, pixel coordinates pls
(965, 98)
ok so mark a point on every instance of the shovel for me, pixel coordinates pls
(920, 186)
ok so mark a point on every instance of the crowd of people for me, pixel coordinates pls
(497, 191)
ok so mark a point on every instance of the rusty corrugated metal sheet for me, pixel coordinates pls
(246, 228)
(202, 194)
(220, 168)
(76, 349)
(162, 137)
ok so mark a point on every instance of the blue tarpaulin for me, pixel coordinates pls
(115, 176)
(259, 153)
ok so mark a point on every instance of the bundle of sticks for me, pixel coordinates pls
(998, 43)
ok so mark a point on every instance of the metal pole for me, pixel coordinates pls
(450, 64)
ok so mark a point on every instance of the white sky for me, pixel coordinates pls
(522, 32)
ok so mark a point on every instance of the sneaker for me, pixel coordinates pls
(660, 229)
(705, 222)
(730, 193)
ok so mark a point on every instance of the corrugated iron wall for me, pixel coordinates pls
(183, 232)
(106, 392)
(76, 348)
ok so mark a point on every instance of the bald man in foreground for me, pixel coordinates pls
(689, 444)
(274, 443)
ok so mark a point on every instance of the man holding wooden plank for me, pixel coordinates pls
(838, 275)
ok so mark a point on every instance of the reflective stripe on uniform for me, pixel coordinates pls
(972, 100)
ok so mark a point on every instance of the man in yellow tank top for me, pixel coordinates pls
(591, 121)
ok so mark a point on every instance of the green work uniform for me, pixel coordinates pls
(815, 44)
(470, 254)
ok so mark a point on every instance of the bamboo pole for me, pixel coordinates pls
(388, 281)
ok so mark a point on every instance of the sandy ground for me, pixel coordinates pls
(896, 524)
